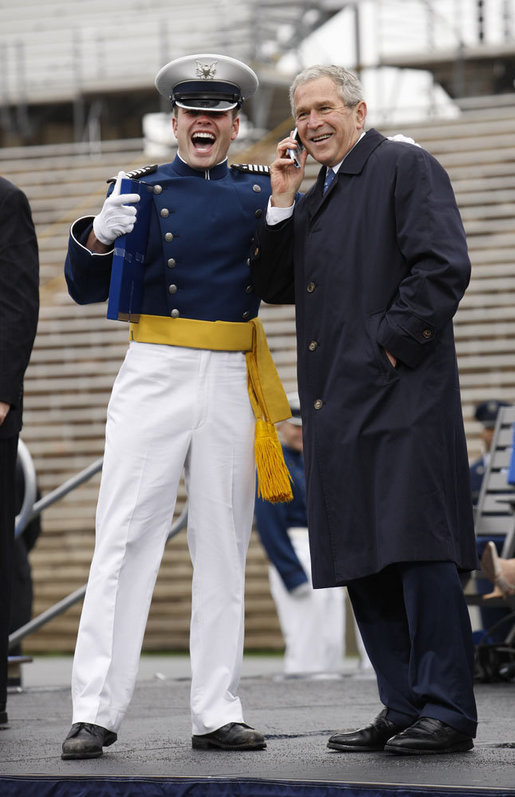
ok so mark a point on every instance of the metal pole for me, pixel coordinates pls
(66, 487)
(357, 38)
(480, 20)
(75, 597)
(30, 488)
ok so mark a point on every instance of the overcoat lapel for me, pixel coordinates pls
(354, 163)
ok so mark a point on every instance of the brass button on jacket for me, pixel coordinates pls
(310, 287)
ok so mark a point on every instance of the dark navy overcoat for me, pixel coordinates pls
(380, 262)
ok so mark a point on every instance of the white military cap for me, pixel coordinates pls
(294, 402)
(206, 82)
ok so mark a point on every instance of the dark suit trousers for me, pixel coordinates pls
(416, 628)
(8, 453)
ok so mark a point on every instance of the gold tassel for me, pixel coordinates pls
(274, 480)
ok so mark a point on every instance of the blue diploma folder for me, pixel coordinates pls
(126, 288)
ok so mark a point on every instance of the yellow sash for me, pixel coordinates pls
(266, 392)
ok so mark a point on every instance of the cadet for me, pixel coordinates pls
(486, 414)
(179, 401)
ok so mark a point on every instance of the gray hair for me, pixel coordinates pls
(347, 84)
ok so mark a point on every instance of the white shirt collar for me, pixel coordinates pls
(337, 166)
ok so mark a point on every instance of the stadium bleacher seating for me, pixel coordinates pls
(77, 351)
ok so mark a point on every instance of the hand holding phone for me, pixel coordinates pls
(294, 153)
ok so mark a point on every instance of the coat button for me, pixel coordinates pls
(256, 188)
(258, 213)
(169, 236)
(245, 315)
(172, 289)
(427, 333)
(175, 313)
(313, 345)
(164, 213)
(248, 289)
(171, 262)
(158, 189)
(256, 251)
(248, 261)
(310, 287)
(318, 404)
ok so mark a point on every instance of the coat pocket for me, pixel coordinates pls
(377, 352)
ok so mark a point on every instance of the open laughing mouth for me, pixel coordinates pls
(203, 141)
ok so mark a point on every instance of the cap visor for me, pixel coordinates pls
(205, 105)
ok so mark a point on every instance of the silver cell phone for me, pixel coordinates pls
(293, 153)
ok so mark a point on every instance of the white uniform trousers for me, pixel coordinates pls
(312, 623)
(171, 408)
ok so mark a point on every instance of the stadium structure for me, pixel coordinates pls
(77, 83)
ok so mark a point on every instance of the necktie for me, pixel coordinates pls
(329, 177)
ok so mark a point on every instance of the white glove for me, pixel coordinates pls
(406, 139)
(117, 217)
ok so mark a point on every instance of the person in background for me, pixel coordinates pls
(486, 414)
(499, 571)
(21, 587)
(312, 621)
(19, 308)
(375, 258)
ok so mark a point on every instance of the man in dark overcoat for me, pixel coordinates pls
(19, 305)
(376, 266)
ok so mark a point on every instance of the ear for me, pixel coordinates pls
(174, 125)
(361, 114)
(235, 128)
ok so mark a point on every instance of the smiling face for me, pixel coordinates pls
(327, 128)
(204, 137)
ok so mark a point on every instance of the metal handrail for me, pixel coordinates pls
(66, 487)
(30, 491)
(34, 509)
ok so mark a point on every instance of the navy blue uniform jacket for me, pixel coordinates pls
(380, 262)
(274, 520)
(196, 260)
(477, 474)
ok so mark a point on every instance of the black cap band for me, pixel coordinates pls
(206, 94)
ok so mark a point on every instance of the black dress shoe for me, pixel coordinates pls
(233, 736)
(366, 740)
(428, 736)
(3, 717)
(86, 741)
